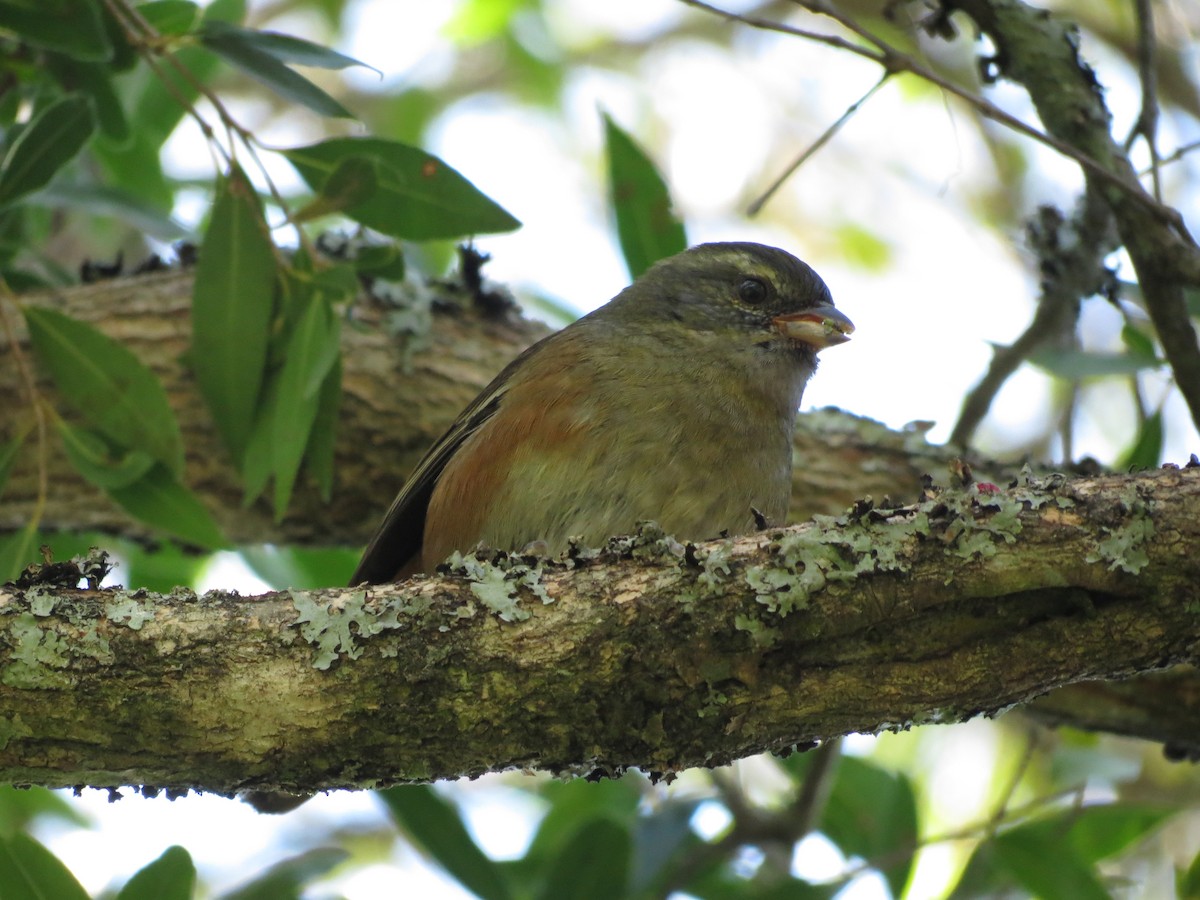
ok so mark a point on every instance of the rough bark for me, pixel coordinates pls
(649, 654)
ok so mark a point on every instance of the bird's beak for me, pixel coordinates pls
(819, 327)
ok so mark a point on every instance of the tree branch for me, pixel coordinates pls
(649, 654)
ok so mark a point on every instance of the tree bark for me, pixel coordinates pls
(648, 654)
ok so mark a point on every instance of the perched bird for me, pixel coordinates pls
(675, 401)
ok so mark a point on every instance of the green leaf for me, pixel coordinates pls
(170, 877)
(1146, 450)
(94, 80)
(47, 143)
(302, 568)
(20, 807)
(1187, 884)
(285, 47)
(28, 871)
(1098, 832)
(170, 17)
(157, 499)
(872, 813)
(111, 202)
(232, 303)
(384, 261)
(287, 879)
(1138, 342)
(322, 442)
(73, 27)
(419, 197)
(109, 386)
(16, 552)
(94, 459)
(646, 226)
(1022, 853)
(354, 181)
(8, 457)
(434, 824)
(228, 43)
(594, 864)
(1075, 365)
(312, 351)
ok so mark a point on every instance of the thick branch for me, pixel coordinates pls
(650, 654)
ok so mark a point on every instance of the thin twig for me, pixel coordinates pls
(894, 60)
(816, 145)
(1147, 120)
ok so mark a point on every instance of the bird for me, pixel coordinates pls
(674, 402)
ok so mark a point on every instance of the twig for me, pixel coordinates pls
(1070, 272)
(1147, 121)
(894, 60)
(816, 145)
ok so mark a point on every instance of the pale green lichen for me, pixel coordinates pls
(36, 653)
(13, 728)
(134, 614)
(330, 626)
(761, 634)
(1123, 547)
(41, 603)
(498, 584)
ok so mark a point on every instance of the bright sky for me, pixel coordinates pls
(729, 123)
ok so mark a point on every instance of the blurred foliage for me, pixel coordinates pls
(90, 94)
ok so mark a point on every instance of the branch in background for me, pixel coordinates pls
(1039, 52)
(1071, 264)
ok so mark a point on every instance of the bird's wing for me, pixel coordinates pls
(398, 539)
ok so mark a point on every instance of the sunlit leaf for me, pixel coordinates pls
(160, 501)
(28, 871)
(170, 877)
(646, 226)
(434, 825)
(110, 387)
(73, 27)
(862, 247)
(47, 143)
(419, 197)
(265, 68)
(232, 303)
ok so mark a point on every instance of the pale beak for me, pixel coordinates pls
(819, 327)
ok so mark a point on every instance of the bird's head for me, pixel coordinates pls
(750, 295)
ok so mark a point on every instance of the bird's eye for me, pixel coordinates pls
(752, 291)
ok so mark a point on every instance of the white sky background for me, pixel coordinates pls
(721, 126)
